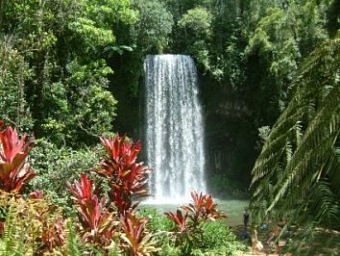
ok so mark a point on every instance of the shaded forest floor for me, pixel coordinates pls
(320, 242)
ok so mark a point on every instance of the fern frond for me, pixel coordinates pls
(13, 242)
(73, 248)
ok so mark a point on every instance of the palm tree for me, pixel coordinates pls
(297, 174)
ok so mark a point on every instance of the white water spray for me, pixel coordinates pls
(174, 127)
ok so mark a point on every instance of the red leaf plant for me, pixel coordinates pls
(189, 220)
(50, 219)
(53, 233)
(136, 240)
(98, 224)
(202, 208)
(121, 200)
(2, 227)
(15, 172)
(127, 177)
(180, 219)
(37, 194)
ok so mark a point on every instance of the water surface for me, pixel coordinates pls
(232, 208)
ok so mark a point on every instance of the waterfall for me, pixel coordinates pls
(174, 127)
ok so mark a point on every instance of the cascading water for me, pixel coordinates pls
(174, 127)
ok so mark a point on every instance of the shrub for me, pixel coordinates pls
(156, 221)
(55, 166)
(136, 240)
(168, 247)
(218, 238)
(189, 221)
(97, 222)
(125, 175)
(33, 226)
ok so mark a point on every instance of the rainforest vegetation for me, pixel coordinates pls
(71, 75)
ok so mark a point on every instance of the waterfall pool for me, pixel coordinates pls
(232, 208)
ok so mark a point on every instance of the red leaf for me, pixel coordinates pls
(179, 219)
(135, 233)
(38, 194)
(53, 234)
(127, 177)
(96, 220)
(14, 171)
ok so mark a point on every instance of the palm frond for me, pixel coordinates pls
(301, 150)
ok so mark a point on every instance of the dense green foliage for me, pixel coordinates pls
(71, 70)
(55, 166)
(214, 238)
(56, 68)
(297, 173)
(66, 64)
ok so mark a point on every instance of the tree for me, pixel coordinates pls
(196, 27)
(13, 73)
(56, 68)
(154, 26)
